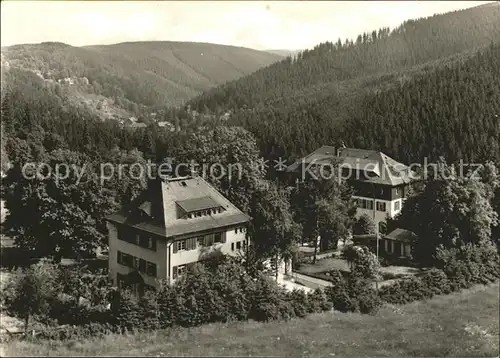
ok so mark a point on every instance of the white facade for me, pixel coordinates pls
(381, 208)
(164, 257)
(236, 242)
(397, 248)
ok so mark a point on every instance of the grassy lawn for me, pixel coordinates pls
(463, 324)
(324, 265)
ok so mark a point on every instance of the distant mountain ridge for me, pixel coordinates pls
(131, 74)
(413, 43)
(284, 53)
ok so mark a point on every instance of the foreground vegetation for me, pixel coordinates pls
(460, 324)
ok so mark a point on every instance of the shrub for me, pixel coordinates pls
(300, 303)
(150, 314)
(436, 281)
(406, 290)
(269, 301)
(469, 264)
(363, 296)
(352, 294)
(318, 301)
(33, 291)
(126, 311)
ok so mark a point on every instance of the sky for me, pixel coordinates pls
(255, 24)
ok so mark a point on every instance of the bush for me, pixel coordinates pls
(469, 264)
(364, 297)
(300, 303)
(31, 292)
(406, 290)
(318, 301)
(126, 311)
(436, 281)
(150, 314)
(352, 294)
(269, 301)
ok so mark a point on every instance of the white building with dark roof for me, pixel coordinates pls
(175, 223)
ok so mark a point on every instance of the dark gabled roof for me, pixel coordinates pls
(197, 204)
(401, 235)
(191, 194)
(153, 228)
(381, 168)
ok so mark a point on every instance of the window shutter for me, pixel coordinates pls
(175, 246)
(223, 234)
(174, 272)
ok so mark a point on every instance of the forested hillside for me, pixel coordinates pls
(452, 112)
(413, 43)
(428, 88)
(155, 74)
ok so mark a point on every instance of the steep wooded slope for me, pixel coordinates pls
(413, 43)
(140, 73)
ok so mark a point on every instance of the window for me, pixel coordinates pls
(238, 245)
(397, 205)
(397, 191)
(151, 269)
(381, 206)
(142, 265)
(201, 241)
(236, 230)
(232, 246)
(365, 204)
(209, 240)
(125, 259)
(151, 243)
(181, 269)
(181, 245)
(218, 237)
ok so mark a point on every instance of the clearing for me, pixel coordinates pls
(460, 324)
